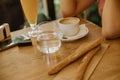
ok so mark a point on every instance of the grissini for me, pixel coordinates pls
(79, 52)
(85, 61)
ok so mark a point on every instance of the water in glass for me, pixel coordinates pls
(48, 42)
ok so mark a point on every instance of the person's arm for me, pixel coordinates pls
(74, 7)
(111, 19)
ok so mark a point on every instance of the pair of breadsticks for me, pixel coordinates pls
(78, 53)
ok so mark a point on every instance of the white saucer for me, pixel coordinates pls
(82, 32)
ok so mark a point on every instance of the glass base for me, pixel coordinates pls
(32, 33)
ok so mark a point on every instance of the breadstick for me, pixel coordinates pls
(85, 61)
(78, 53)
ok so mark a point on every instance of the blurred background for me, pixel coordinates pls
(11, 12)
(91, 12)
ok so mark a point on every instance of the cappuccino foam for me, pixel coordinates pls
(69, 21)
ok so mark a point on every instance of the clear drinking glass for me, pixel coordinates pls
(48, 38)
(30, 8)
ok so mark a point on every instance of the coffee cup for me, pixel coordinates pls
(69, 26)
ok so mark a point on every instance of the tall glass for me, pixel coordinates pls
(30, 8)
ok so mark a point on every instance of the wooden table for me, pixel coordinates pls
(26, 63)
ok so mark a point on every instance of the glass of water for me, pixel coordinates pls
(48, 38)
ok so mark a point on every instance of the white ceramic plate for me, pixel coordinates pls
(82, 32)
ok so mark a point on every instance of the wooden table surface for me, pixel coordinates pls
(26, 63)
